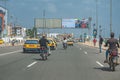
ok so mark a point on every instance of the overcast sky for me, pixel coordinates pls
(24, 11)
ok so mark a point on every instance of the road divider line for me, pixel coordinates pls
(85, 52)
(99, 63)
(3, 54)
(32, 64)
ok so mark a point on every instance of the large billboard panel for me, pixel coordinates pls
(83, 23)
(68, 23)
(61, 23)
(75, 23)
(5, 12)
(48, 23)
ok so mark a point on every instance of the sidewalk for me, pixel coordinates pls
(90, 43)
(9, 44)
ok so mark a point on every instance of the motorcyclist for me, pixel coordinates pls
(113, 45)
(64, 42)
(43, 43)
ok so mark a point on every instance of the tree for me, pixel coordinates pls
(32, 33)
(29, 33)
(34, 30)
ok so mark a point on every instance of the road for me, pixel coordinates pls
(78, 62)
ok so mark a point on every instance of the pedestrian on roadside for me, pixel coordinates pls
(100, 43)
(94, 41)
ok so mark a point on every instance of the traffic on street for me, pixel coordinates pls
(59, 40)
(76, 62)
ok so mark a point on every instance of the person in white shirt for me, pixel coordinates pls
(65, 43)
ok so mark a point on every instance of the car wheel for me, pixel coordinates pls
(24, 50)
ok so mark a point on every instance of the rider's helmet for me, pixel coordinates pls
(43, 35)
(112, 34)
(64, 38)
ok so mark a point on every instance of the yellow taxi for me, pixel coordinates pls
(52, 44)
(1, 41)
(70, 42)
(31, 45)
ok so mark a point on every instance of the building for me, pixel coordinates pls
(3, 21)
(13, 31)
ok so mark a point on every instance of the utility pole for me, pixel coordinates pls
(43, 22)
(100, 30)
(110, 16)
(89, 28)
(97, 14)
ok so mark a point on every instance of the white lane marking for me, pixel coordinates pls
(32, 64)
(3, 54)
(85, 52)
(49, 51)
(99, 63)
(80, 49)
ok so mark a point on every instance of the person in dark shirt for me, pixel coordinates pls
(100, 43)
(44, 43)
(113, 45)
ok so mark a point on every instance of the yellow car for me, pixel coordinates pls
(1, 41)
(70, 42)
(31, 45)
(52, 44)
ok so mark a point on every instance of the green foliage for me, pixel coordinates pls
(31, 32)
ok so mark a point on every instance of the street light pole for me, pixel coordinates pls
(100, 30)
(44, 22)
(97, 14)
(110, 16)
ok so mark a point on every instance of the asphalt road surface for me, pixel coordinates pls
(78, 62)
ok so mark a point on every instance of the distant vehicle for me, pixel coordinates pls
(70, 42)
(1, 41)
(52, 44)
(31, 45)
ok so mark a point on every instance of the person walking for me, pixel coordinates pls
(100, 43)
(94, 41)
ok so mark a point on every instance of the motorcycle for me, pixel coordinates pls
(44, 53)
(65, 45)
(113, 60)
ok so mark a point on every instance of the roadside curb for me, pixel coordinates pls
(92, 46)
(96, 47)
(8, 45)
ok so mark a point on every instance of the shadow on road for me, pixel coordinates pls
(30, 52)
(103, 68)
(38, 59)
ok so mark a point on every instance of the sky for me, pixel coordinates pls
(24, 12)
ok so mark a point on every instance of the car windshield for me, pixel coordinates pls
(49, 41)
(31, 42)
(70, 41)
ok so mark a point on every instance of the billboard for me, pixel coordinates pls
(83, 23)
(68, 23)
(61, 23)
(48, 23)
(5, 12)
(75, 23)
